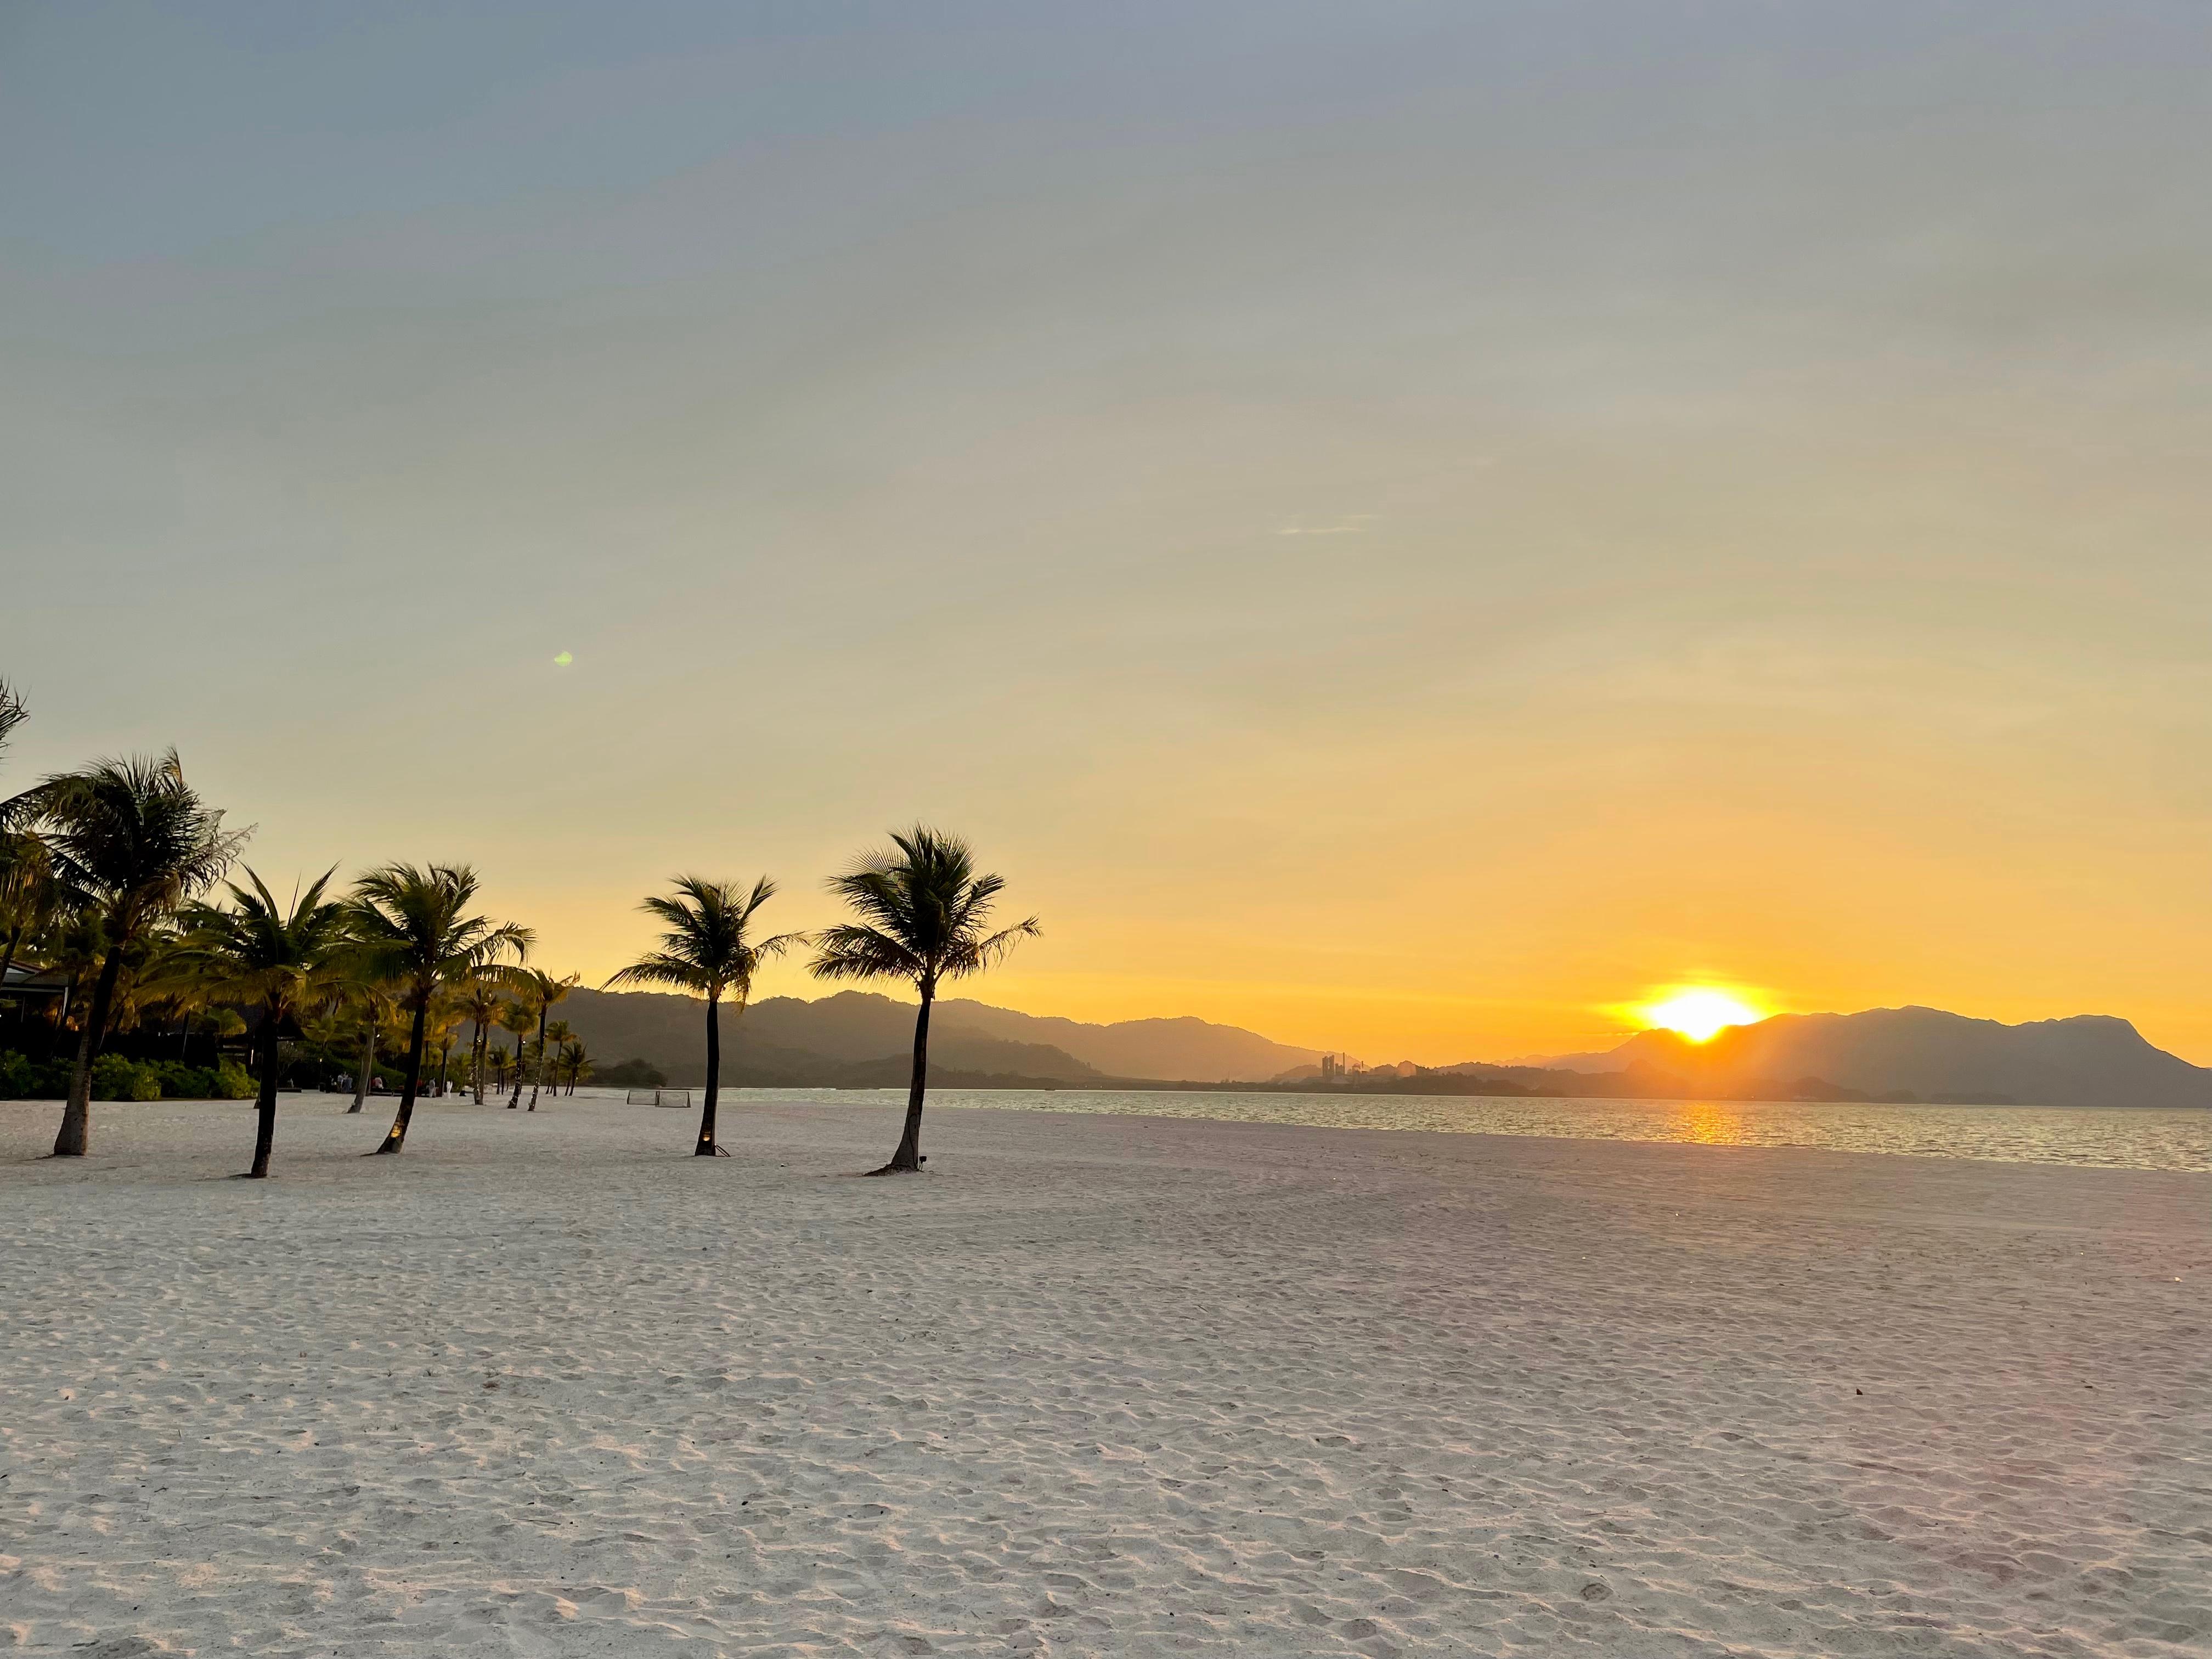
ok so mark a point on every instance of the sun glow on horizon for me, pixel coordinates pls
(1698, 1013)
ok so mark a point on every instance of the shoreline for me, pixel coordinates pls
(2172, 1140)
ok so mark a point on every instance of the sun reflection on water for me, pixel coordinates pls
(1710, 1123)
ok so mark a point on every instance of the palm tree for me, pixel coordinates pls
(443, 1025)
(540, 991)
(555, 1043)
(14, 711)
(252, 950)
(28, 896)
(705, 950)
(132, 839)
(578, 1059)
(415, 932)
(369, 1005)
(520, 1021)
(923, 909)
(482, 1000)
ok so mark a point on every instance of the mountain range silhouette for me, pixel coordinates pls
(860, 1039)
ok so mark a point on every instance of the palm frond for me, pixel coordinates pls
(254, 949)
(855, 952)
(704, 946)
(923, 911)
(975, 955)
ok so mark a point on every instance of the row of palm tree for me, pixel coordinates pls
(124, 851)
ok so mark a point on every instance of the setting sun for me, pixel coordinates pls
(1699, 1014)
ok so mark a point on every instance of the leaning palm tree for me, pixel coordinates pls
(923, 911)
(540, 991)
(705, 950)
(414, 931)
(253, 950)
(132, 840)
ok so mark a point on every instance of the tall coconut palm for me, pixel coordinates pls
(540, 991)
(414, 931)
(924, 913)
(253, 950)
(133, 840)
(705, 950)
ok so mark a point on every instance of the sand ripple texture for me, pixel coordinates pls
(544, 1386)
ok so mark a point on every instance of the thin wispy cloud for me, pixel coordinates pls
(1352, 524)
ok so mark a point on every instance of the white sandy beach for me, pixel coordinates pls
(544, 1385)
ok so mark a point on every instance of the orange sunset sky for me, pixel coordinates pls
(1404, 528)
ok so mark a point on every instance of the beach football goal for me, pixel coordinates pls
(660, 1096)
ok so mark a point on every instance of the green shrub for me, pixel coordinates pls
(18, 1077)
(182, 1082)
(23, 1077)
(114, 1078)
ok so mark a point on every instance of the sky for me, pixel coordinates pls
(1404, 527)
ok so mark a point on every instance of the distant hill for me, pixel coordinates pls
(1923, 1053)
(1185, 1049)
(859, 1038)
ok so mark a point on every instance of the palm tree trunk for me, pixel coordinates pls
(706, 1147)
(908, 1156)
(445, 1065)
(265, 1104)
(361, 1078)
(515, 1099)
(397, 1137)
(538, 1077)
(7, 956)
(477, 1063)
(76, 1116)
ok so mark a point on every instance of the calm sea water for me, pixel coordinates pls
(2113, 1137)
